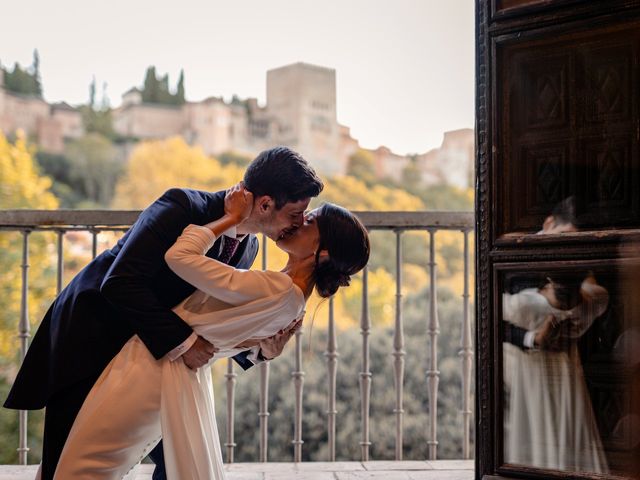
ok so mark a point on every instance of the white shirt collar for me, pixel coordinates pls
(233, 233)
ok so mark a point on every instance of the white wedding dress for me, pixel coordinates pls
(138, 400)
(548, 420)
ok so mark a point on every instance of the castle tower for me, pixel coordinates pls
(302, 99)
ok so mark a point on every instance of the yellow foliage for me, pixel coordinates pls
(351, 193)
(414, 278)
(155, 166)
(382, 293)
(21, 186)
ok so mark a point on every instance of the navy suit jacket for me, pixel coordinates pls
(124, 291)
(514, 334)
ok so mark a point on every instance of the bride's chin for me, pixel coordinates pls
(282, 245)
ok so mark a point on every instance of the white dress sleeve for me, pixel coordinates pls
(231, 285)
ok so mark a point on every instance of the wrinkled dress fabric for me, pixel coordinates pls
(549, 420)
(138, 400)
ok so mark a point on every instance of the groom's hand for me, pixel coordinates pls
(273, 346)
(199, 354)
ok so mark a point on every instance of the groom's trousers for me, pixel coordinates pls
(157, 455)
(62, 409)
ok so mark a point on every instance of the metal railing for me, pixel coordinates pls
(95, 222)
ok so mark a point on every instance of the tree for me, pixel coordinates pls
(24, 81)
(356, 194)
(180, 89)
(58, 168)
(363, 166)
(155, 166)
(9, 436)
(98, 120)
(164, 96)
(94, 168)
(21, 186)
(105, 104)
(234, 158)
(150, 89)
(156, 90)
(411, 175)
(382, 419)
(36, 73)
(92, 93)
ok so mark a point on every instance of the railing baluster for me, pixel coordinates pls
(398, 349)
(264, 385)
(332, 368)
(365, 374)
(230, 377)
(264, 410)
(298, 383)
(94, 242)
(60, 270)
(24, 334)
(466, 354)
(433, 330)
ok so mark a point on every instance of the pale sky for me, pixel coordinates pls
(404, 67)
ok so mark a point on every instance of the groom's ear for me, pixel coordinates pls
(264, 204)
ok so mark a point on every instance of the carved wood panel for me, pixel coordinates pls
(567, 123)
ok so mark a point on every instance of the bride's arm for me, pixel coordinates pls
(187, 259)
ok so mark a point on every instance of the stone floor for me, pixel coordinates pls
(378, 470)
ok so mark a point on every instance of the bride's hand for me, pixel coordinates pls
(238, 202)
(546, 336)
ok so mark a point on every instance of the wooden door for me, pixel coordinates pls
(558, 235)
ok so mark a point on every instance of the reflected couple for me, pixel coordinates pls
(549, 420)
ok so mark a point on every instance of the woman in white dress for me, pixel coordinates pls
(549, 420)
(137, 399)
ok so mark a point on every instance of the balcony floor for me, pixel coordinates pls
(380, 470)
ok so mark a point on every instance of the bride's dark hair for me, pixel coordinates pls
(346, 240)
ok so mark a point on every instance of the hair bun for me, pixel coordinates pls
(328, 278)
(344, 280)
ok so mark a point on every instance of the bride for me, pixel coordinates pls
(138, 400)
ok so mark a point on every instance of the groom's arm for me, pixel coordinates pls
(128, 283)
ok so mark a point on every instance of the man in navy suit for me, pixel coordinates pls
(129, 290)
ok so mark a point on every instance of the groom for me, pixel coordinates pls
(129, 290)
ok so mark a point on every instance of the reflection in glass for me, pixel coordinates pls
(549, 419)
(562, 219)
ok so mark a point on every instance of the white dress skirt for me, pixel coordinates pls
(137, 399)
(548, 420)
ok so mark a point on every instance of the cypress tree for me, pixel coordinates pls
(180, 89)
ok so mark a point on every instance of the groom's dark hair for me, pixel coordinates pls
(282, 174)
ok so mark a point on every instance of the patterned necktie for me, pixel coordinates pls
(229, 247)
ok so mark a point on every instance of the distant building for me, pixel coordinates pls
(50, 125)
(212, 124)
(389, 164)
(302, 99)
(453, 162)
(300, 112)
(347, 146)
